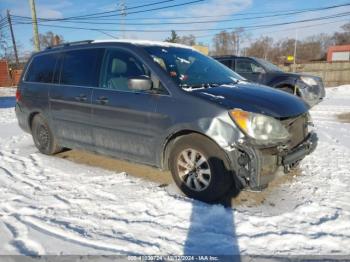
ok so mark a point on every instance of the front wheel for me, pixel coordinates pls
(43, 137)
(288, 89)
(198, 169)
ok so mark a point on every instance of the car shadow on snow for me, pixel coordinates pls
(7, 101)
(212, 230)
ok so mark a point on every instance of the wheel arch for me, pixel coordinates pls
(288, 85)
(31, 117)
(171, 139)
(33, 113)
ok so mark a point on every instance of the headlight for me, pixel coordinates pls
(264, 129)
(309, 80)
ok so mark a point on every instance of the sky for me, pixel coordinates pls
(241, 13)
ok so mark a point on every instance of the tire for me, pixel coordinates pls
(220, 181)
(287, 89)
(43, 137)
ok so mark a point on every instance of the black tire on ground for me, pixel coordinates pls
(43, 137)
(222, 180)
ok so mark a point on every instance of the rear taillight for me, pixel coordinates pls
(18, 95)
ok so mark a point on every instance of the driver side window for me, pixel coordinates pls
(248, 66)
(257, 68)
(120, 66)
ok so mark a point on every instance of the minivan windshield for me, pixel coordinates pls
(191, 69)
(269, 66)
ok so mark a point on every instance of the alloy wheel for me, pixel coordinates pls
(194, 169)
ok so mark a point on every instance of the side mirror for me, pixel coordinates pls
(140, 83)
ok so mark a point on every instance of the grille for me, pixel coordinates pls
(297, 128)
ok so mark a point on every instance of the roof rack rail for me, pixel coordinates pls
(70, 44)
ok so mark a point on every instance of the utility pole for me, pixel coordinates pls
(295, 50)
(122, 7)
(35, 25)
(12, 36)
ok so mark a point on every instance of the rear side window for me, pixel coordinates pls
(41, 69)
(226, 62)
(81, 67)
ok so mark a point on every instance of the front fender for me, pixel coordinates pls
(220, 129)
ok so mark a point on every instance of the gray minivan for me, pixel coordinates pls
(164, 105)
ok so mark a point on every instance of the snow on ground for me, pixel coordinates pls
(7, 100)
(50, 205)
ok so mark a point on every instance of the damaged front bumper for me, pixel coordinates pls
(256, 167)
(298, 153)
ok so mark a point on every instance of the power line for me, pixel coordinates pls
(118, 10)
(214, 21)
(2, 20)
(3, 23)
(235, 14)
(211, 21)
(105, 33)
(4, 26)
(153, 9)
(283, 30)
(96, 15)
(207, 29)
(160, 18)
(292, 11)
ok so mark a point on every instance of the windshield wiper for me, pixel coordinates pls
(208, 85)
(232, 83)
(203, 85)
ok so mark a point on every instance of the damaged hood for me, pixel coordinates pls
(255, 98)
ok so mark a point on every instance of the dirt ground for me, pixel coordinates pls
(164, 178)
(345, 117)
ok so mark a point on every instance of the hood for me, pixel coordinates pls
(255, 98)
(296, 75)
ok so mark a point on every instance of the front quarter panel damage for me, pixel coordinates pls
(221, 129)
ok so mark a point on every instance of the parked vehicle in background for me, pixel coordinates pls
(165, 105)
(257, 70)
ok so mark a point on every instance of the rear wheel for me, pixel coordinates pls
(198, 169)
(43, 137)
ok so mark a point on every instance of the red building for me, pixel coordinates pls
(5, 78)
(338, 53)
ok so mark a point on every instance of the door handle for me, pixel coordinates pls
(102, 100)
(81, 98)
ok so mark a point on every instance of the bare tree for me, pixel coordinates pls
(309, 49)
(4, 43)
(261, 47)
(228, 43)
(174, 37)
(342, 38)
(49, 39)
(188, 40)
